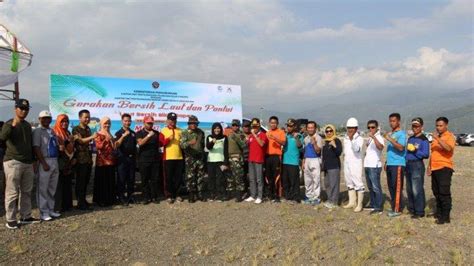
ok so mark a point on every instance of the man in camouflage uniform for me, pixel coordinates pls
(235, 181)
(192, 143)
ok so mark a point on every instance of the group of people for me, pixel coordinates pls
(242, 162)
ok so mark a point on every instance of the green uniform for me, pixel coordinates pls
(235, 181)
(194, 159)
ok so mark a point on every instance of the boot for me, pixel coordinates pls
(238, 197)
(360, 200)
(352, 199)
(192, 197)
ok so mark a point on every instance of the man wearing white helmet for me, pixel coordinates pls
(353, 165)
(45, 146)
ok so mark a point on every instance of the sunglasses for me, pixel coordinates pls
(193, 123)
(24, 108)
(235, 125)
(329, 131)
(415, 126)
(371, 127)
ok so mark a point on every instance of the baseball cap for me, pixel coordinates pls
(291, 122)
(22, 103)
(44, 113)
(172, 116)
(192, 119)
(236, 122)
(148, 119)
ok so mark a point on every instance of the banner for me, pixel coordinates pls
(113, 97)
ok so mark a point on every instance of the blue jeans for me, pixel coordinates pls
(415, 172)
(375, 189)
(395, 175)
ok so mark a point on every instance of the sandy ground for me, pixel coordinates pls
(245, 233)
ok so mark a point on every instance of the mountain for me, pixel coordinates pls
(379, 103)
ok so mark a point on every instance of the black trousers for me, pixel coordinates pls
(216, 183)
(83, 175)
(441, 186)
(63, 196)
(291, 181)
(173, 176)
(126, 177)
(272, 172)
(149, 177)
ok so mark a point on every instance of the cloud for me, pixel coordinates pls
(258, 44)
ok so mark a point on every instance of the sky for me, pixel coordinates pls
(278, 51)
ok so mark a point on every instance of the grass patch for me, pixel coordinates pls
(456, 256)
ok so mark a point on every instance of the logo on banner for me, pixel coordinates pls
(155, 84)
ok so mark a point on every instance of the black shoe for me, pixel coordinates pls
(131, 200)
(30, 220)
(417, 216)
(147, 201)
(442, 220)
(202, 198)
(192, 197)
(12, 225)
(239, 197)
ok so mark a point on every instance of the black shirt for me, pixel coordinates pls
(128, 147)
(331, 155)
(149, 152)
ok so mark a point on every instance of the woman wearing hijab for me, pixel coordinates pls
(104, 180)
(63, 196)
(217, 161)
(332, 149)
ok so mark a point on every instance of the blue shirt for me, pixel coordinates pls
(291, 152)
(394, 156)
(423, 150)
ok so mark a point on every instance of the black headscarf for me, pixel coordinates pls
(220, 135)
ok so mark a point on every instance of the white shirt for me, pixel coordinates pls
(353, 148)
(373, 156)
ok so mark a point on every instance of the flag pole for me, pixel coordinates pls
(16, 94)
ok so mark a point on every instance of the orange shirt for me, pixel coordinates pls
(273, 148)
(441, 158)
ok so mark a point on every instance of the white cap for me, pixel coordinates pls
(44, 113)
(352, 122)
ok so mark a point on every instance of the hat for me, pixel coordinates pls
(191, 119)
(417, 121)
(172, 116)
(246, 123)
(148, 119)
(22, 103)
(236, 122)
(255, 122)
(291, 122)
(44, 113)
(352, 122)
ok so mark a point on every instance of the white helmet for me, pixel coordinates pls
(352, 122)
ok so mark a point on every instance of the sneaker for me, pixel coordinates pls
(55, 214)
(258, 201)
(307, 201)
(46, 218)
(329, 205)
(30, 220)
(12, 225)
(376, 212)
(315, 202)
(179, 199)
(368, 209)
(249, 199)
(170, 200)
(393, 214)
